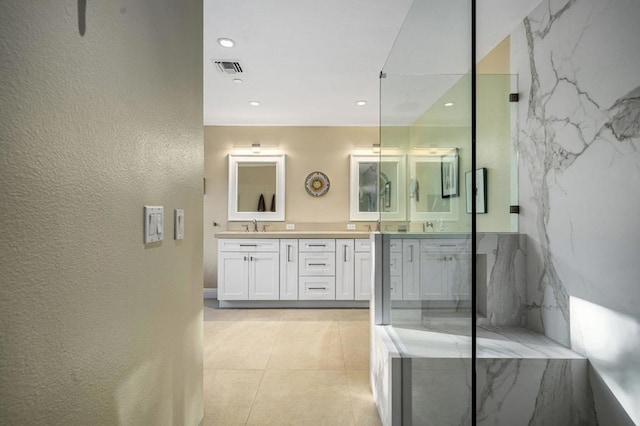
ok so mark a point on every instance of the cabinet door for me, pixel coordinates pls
(410, 270)
(459, 276)
(232, 276)
(363, 276)
(433, 276)
(264, 276)
(344, 269)
(289, 269)
(396, 288)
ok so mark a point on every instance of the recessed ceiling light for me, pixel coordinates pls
(226, 42)
(448, 104)
(361, 103)
(254, 103)
(237, 80)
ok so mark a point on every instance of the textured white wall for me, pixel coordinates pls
(96, 327)
(579, 182)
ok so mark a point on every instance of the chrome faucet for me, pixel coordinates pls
(426, 225)
(255, 226)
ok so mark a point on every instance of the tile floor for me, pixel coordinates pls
(287, 367)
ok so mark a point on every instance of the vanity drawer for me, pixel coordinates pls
(317, 264)
(395, 245)
(317, 288)
(363, 245)
(443, 246)
(317, 245)
(249, 245)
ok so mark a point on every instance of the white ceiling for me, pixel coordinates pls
(309, 61)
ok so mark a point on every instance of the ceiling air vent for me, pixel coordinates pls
(228, 67)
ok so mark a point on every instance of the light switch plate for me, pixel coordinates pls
(179, 224)
(290, 226)
(351, 226)
(153, 224)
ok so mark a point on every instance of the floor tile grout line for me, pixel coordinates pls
(346, 373)
(273, 345)
(336, 321)
(255, 395)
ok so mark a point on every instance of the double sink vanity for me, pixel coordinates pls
(334, 268)
(304, 269)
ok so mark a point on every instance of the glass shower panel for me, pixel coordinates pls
(425, 113)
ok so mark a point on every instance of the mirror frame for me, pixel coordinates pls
(233, 213)
(453, 213)
(354, 188)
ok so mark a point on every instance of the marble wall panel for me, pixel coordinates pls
(504, 273)
(534, 392)
(578, 63)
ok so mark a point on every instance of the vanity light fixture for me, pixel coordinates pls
(254, 103)
(255, 148)
(361, 103)
(431, 150)
(226, 42)
(237, 80)
(449, 104)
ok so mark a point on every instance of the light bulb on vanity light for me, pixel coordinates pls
(226, 42)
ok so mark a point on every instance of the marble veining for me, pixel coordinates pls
(505, 278)
(534, 392)
(492, 343)
(579, 180)
(567, 115)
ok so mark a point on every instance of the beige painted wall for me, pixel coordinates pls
(493, 136)
(307, 149)
(98, 328)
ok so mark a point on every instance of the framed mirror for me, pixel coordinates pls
(376, 190)
(433, 187)
(256, 187)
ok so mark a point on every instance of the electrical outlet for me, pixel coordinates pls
(290, 226)
(351, 226)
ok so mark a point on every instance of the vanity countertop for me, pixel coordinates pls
(293, 234)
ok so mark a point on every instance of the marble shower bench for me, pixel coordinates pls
(421, 365)
(523, 378)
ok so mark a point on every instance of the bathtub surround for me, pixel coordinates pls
(578, 65)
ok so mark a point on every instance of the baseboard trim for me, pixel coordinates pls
(210, 293)
(294, 304)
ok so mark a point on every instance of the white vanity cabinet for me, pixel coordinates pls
(396, 269)
(294, 269)
(289, 269)
(345, 269)
(353, 269)
(411, 270)
(317, 270)
(249, 269)
(445, 269)
(362, 269)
